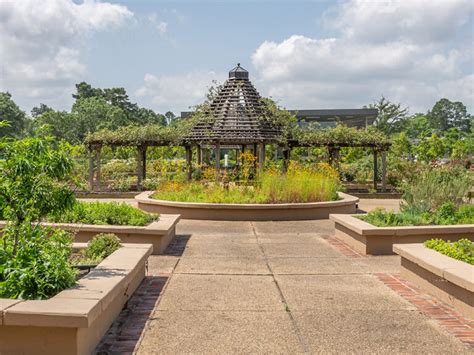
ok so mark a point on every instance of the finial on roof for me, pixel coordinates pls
(238, 73)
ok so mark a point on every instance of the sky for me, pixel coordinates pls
(303, 54)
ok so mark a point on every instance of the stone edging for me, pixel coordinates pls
(248, 212)
(449, 279)
(74, 321)
(158, 233)
(369, 239)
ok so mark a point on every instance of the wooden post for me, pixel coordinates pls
(144, 149)
(261, 156)
(97, 171)
(91, 169)
(189, 161)
(375, 170)
(237, 152)
(334, 157)
(139, 168)
(286, 158)
(255, 154)
(199, 155)
(384, 170)
(218, 155)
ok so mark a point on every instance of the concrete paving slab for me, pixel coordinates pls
(369, 204)
(224, 249)
(161, 264)
(360, 292)
(220, 333)
(376, 332)
(311, 266)
(195, 227)
(319, 249)
(289, 238)
(293, 227)
(229, 265)
(222, 238)
(221, 292)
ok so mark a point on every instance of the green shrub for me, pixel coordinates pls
(462, 250)
(112, 213)
(434, 187)
(100, 247)
(41, 268)
(447, 214)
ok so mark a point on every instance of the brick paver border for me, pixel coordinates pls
(342, 247)
(460, 327)
(124, 334)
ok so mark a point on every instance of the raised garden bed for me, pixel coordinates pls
(158, 233)
(249, 212)
(450, 280)
(369, 239)
(74, 321)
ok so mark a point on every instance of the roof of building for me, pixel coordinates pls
(237, 114)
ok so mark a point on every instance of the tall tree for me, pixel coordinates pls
(85, 90)
(391, 116)
(11, 113)
(446, 114)
(60, 124)
(39, 110)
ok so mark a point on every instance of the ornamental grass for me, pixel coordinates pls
(299, 185)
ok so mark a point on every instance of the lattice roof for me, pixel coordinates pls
(238, 114)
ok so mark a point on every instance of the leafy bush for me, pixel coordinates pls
(433, 187)
(100, 247)
(40, 268)
(112, 213)
(462, 250)
(445, 215)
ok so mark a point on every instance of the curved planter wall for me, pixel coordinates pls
(248, 212)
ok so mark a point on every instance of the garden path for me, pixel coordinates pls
(271, 287)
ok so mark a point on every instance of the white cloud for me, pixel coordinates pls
(176, 92)
(405, 50)
(39, 44)
(162, 28)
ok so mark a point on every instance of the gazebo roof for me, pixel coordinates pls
(238, 115)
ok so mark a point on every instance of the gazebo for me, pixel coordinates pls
(237, 120)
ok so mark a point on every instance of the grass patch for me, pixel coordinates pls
(447, 214)
(111, 213)
(462, 250)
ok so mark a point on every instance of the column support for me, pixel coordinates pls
(97, 164)
(261, 156)
(375, 169)
(91, 169)
(384, 170)
(189, 161)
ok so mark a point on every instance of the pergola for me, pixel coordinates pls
(237, 118)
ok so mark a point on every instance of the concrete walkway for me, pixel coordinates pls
(280, 287)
